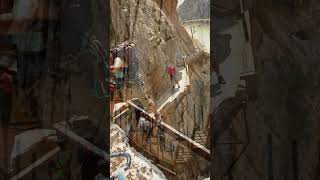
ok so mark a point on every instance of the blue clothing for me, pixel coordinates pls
(118, 74)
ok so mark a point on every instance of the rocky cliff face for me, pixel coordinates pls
(194, 9)
(157, 34)
(283, 121)
(161, 40)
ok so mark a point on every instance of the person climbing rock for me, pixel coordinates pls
(172, 71)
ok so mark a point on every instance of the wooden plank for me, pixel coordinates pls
(166, 169)
(62, 128)
(117, 116)
(36, 163)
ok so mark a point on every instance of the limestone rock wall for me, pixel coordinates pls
(159, 39)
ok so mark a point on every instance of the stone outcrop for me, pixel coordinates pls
(194, 9)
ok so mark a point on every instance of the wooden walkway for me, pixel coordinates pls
(176, 149)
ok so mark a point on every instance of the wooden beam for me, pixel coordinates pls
(61, 126)
(166, 169)
(117, 116)
(36, 164)
(198, 148)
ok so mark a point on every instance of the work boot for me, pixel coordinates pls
(221, 80)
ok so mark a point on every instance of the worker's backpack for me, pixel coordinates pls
(133, 63)
(126, 51)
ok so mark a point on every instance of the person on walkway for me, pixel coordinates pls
(147, 130)
(145, 126)
(158, 119)
(117, 70)
(172, 71)
(141, 122)
(161, 137)
(158, 123)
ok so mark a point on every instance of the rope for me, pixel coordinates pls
(123, 154)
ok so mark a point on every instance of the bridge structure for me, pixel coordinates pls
(176, 148)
